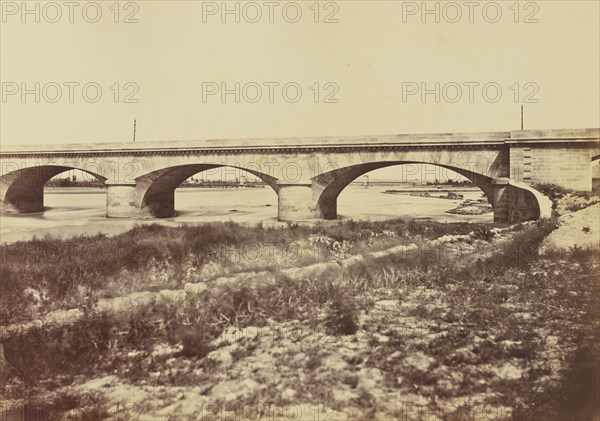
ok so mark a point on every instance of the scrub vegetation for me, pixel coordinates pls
(355, 320)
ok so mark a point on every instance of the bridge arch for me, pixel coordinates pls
(501, 192)
(154, 193)
(331, 184)
(22, 190)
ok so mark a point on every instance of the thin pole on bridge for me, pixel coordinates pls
(134, 129)
(521, 117)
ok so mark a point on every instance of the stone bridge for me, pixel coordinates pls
(308, 174)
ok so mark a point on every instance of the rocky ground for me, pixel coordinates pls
(471, 207)
(575, 230)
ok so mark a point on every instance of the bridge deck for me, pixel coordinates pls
(480, 139)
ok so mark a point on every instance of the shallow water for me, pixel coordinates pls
(73, 212)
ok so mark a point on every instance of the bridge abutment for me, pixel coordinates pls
(159, 205)
(526, 203)
(501, 203)
(517, 202)
(296, 202)
(24, 200)
(327, 208)
(22, 191)
(122, 201)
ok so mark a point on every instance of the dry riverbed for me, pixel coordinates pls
(468, 325)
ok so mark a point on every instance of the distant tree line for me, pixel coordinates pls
(450, 182)
(73, 182)
(221, 183)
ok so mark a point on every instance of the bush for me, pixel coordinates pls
(566, 199)
(342, 317)
(140, 254)
(484, 233)
(13, 295)
(194, 341)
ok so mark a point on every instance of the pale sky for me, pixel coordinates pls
(370, 55)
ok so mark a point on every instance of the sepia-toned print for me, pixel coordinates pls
(299, 210)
